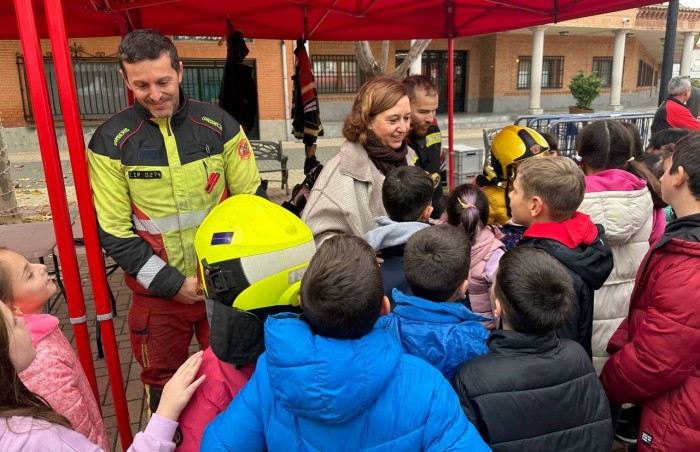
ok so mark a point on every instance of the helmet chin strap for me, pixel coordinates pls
(508, 211)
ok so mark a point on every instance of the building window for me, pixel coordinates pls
(102, 93)
(552, 72)
(336, 73)
(645, 76)
(603, 67)
(99, 87)
(524, 66)
(201, 79)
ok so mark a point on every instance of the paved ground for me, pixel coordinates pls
(27, 173)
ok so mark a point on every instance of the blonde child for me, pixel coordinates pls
(55, 374)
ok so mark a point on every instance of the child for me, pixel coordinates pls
(636, 143)
(545, 196)
(433, 325)
(655, 164)
(621, 195)
(335, 378)
(511, 146)
(31, 424)
(663, 137)
(467, 207)
(265, 257)
(656, 351)
(553, 144)
(533, 391)
(407, 194)
(55, 374)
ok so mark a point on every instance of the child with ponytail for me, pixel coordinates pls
(467, 207)
(625, 198)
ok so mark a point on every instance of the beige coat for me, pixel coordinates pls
(347, 195)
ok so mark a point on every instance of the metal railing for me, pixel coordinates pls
(337, 74)
(566, 127)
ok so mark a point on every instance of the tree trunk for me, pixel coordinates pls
(9, 211)
(371, 68)
(385, 56)
(365, 59)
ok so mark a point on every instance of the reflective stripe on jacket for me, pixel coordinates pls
(150, 179)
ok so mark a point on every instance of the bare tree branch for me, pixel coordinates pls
(419, 45)
(371, 68)
(365, 59)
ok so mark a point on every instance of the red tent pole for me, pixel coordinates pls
(54, 184)
(76, 146)
(451, 107)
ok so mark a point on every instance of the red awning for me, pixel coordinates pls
(326, 20)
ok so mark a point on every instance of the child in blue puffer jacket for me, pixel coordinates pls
(336, 377)
(432, 324)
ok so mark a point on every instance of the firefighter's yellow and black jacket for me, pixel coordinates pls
(155, 179)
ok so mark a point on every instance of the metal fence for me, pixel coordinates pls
(337, 73)
(566, 127)
(99, 87)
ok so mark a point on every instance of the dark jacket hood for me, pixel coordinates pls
(686, 229)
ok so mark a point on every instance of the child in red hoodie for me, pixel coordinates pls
(545, 196)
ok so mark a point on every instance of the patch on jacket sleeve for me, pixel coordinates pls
(178, 437)
(647, 439)
(244, 150)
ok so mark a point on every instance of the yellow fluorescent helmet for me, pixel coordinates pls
(515, 143)
(252, 254)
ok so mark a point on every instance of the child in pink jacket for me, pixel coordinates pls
(467, 207)
(223, 383)
(28, 423)
(55, 374)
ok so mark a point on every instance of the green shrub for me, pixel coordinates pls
(585, 88)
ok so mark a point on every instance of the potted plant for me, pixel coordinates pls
(585, 89)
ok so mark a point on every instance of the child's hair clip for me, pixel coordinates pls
(466, 205)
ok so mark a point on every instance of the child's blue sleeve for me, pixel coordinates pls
(447, 428)
(240, 427)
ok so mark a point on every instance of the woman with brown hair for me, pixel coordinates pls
(348, 193)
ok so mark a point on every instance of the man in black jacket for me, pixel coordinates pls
(425, 138)
(533, 391)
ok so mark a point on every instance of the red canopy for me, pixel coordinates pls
(339, 20)
(323, 20)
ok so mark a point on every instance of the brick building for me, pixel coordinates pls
(493, 73)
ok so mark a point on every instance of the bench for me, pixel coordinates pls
(270, 154)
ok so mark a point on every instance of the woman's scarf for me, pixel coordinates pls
(383, 157)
